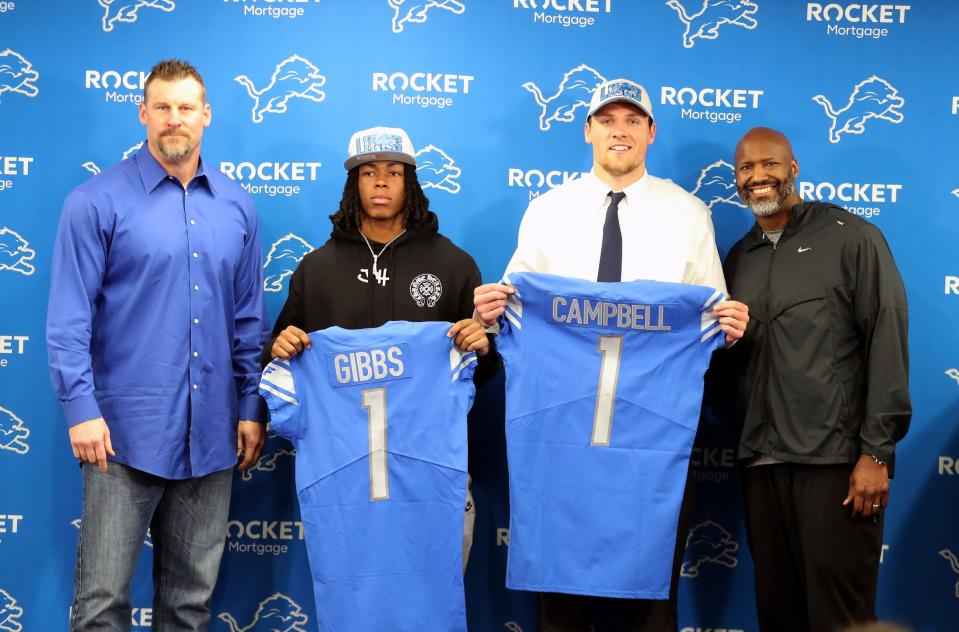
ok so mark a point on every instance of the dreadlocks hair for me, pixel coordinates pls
(416, 205)
(174, 70)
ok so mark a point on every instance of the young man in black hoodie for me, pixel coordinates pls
(385, 260)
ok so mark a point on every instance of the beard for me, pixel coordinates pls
(175, 147)
(765, 208)
(617, 167)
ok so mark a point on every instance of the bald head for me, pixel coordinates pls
(766, 174)
(766, 135)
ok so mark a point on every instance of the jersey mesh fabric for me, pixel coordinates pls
(600, 519)
(394, 563)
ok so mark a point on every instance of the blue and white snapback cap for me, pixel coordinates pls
(620, 90)
(379, 143)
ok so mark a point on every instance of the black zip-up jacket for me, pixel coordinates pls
(429, 278)
(823, 368)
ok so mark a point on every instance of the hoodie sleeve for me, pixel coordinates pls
(291, 314)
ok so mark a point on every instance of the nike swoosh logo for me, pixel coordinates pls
(804, 249)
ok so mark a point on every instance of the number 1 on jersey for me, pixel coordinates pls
(374, 401)
(612, 349)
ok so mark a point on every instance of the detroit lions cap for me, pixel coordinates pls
(379, 143)
(620, 90)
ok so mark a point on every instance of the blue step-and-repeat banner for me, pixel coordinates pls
(493, 94)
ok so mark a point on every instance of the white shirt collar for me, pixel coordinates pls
(597, 190)
(635, 189)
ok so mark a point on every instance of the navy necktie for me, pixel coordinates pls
(611, 255)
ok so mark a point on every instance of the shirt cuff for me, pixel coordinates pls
(80, 409)
(885, 453)
(251, 408)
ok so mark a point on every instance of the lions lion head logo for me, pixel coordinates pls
(267, 463)
(717, 185)
(413, 12)
(709, 543)
(276, 613)
(294, 77)
(10, 612)
(13, 433)
(426, 290)
(713, 14)
(17, 74)
(285, 253)
(93, 168)
(872, 98)
(436, 170)
(126, 10)
(950, 557)
(575, 91)
(15, 252)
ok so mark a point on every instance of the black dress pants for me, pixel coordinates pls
(579, 613)
(816, 567)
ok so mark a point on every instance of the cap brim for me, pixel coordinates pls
(619, 100)
(389, 156)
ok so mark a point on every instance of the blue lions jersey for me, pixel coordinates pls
(604, 385)
(378, 420)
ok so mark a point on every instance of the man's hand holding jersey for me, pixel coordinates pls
(490, 302)
(469, 336)
(290, 343)
(733, 318)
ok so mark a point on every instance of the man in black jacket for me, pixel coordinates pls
(822, 395)
(385, 260)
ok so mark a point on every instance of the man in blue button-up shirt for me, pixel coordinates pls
(155, 322)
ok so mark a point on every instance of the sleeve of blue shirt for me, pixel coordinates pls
(251, 328)
(79, 257)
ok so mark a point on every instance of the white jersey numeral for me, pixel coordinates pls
(612, 349)
(374, 401)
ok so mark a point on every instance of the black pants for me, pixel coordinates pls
(576, 613)
(816, 567)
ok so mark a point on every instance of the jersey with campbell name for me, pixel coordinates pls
(604, 385)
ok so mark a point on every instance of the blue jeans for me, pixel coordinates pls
(187, 520)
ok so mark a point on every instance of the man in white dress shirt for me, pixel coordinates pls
(618, 218)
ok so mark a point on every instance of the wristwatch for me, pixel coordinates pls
(878, 460)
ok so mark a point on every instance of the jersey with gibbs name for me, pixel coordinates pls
(604, 385)
(378, 420)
